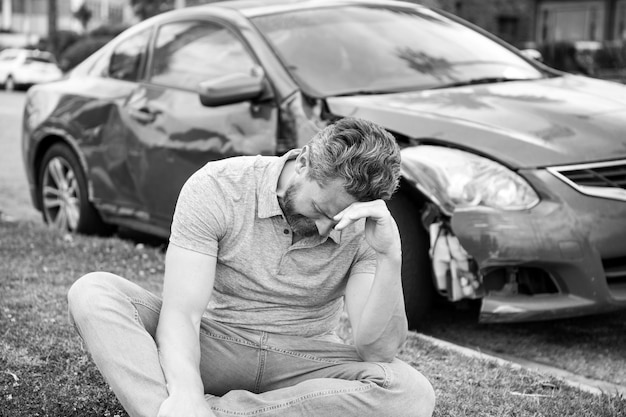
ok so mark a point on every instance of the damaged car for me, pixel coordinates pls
(513, 189)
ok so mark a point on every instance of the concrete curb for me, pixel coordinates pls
(582, 383)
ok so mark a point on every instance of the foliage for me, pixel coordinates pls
(83, 14)
(108, 30)
(563, 56)
(45, 372)
(144, 9)
(65, 39)
(87, 45)
(80, 50)
(612, 55)
(605, 60)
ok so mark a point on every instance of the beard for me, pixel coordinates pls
(300, 225)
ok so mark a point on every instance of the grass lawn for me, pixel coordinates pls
(45, 372)
(590, 346)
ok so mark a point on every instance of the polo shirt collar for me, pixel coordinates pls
(268, 200)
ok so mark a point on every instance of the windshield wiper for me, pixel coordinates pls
(363, 93)
(477, 81)
(374, 92)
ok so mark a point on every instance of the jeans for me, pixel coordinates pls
(245, 373)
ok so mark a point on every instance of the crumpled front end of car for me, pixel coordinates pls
(555, 252)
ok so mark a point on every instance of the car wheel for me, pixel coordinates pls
(417, 283)
(63, 194)
(9, 84)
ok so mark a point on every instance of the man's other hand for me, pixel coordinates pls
(185, 406)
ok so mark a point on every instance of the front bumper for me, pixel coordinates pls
(571, 238)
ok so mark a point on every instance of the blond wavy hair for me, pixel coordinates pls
(361, 153)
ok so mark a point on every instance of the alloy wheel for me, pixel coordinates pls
(61, 195)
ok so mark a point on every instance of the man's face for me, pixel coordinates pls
(300, 224)
(309, 207)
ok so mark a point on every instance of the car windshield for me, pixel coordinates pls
(372, 49)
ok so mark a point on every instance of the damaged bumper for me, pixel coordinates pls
(562, 258)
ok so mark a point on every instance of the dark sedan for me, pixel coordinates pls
(514, 174)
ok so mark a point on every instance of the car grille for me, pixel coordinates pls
(615, 272)
(605, 179)
(615, 269)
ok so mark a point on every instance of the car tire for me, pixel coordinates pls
(417, 283)
(9, 84)
(63, 194)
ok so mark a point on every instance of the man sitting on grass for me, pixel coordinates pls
(263, 252)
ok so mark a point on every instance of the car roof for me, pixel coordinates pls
(251, 8)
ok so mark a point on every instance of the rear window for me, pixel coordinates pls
(44, 59)
(7, 57)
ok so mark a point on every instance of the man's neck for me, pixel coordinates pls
(296, 238)
(285, 177)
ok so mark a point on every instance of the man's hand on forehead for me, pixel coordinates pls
(381, 231)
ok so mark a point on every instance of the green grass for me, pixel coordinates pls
(45, 372)
(591, 346)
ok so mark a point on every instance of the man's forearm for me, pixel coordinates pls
(383, 325)
(179, 352)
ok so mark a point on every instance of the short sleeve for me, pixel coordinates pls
(364, 261)
(200, 218)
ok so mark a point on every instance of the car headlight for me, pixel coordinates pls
(457, 179)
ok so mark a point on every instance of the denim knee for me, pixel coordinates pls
(83, 295)
(412, 390)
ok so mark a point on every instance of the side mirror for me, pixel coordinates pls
(532, 54)
(233, 88)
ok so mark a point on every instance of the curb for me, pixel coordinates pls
(582, 383)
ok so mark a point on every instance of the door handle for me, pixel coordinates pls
(143, 114)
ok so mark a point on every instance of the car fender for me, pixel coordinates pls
(43, 139)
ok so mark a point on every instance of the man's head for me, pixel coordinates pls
(351, 160)
(358, 153)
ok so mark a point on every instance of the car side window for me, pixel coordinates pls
(189, 52)
(7, 57)
(128, 57)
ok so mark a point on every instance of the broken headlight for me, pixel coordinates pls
(453, 179)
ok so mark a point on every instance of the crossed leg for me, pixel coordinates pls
(245, 373)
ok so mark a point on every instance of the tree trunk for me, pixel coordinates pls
(52, 26)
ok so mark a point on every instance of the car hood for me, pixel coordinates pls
(524, 124)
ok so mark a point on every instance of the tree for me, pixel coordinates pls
(52, 26)
(144, 9)
(83, 15)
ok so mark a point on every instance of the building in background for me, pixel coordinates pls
(552, 26)
(580, 36)
(523, 22)
(597, 20)
(518, 22)
(24, 22)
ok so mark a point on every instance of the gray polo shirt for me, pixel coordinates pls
(229, 209)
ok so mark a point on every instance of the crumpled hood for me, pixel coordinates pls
(559, 121)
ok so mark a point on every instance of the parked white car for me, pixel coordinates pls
(25, 67)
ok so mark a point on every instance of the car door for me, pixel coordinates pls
(112, 82)
(173, 133)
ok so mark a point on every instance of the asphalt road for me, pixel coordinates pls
(14, 197)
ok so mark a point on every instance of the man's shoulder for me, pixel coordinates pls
(231, 178)
(229, 171)
(236, 166)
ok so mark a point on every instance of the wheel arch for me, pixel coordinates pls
(409, 206)
(43, 145)
(413, 194)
